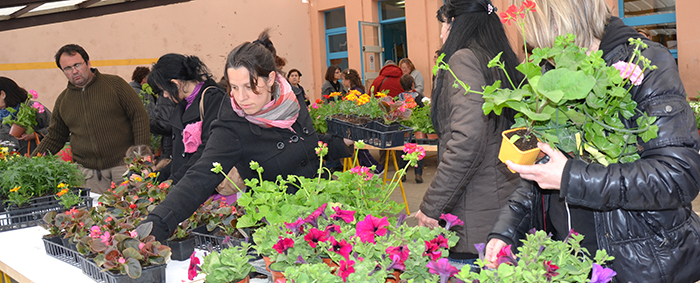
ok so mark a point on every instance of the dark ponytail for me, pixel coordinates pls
(176, 66)
(258, 57)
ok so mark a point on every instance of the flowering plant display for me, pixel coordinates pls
(358, 249)
(22, 178)
(579, 105)
(542, 259)
(420, 119)
(229, 265)
(25, 114)
(354, 103)
(695, 105)
(67, 197)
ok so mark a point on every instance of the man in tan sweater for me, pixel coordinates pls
(101, 114)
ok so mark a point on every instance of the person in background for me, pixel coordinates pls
(408, 68)
(293, 77)
(102, 116)
(639, 212)
(407, 83)
(644, 32)
(388, 79)
(332, 84)
(261, 121)
(11, 96)
(138, 79)
(352, 81)
(186, 81)
(470, 181)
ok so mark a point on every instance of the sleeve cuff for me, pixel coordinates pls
(565, 177)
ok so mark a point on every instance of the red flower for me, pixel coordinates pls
(282, 245)
(370, 227)
(505, 255)
(551, 270)
(315, 236)
(452, 220)
(342, 248)
(509, 15)
(346, 268)
(401, 251)
(313, 218)
(133, 206)
(345, 215)
(326, 96)
(440, 241)
(529, 6)
(431, 249)
(297, 226)
(194, 267)
(333, 228)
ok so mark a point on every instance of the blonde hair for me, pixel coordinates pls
(586, 19)
(408, 63)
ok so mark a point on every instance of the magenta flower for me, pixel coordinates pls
(38, 107)
(401, 251)
(370, 227)
(505, 255)
(452, 220)
(602, 274)
(95, 231)
(313, 218)
(432, 250)
(333, 228)
(194, 267)
(121, 260)
(551, 270)
(315, 236)
(34, 94)
(342, 248)
(346, 215)
(409, 148)
(282, 245)
(630, 71)
(396, 263)
(363, 171)
(443, 268)
(297, 227)
(440, 241)
(106, 237)
(346, 268)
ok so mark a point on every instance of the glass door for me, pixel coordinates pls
(372, 56)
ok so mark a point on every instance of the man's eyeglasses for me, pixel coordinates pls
(74, 67)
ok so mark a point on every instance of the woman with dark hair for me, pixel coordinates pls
(261, 121)
(352, 81)
(331, 84)
(186, 81)
(470, 182)
(293, 77)
(11, 96)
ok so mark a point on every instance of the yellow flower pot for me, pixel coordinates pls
(511, 152)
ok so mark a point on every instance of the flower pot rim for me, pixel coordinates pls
(503, 134)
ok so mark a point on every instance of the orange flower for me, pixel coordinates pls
(15, 189)
(62, 192)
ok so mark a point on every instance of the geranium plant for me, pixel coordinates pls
(25, 114)
(542, 259)
(229, 265)
(581, 105)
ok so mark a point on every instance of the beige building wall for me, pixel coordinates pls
(206, 28)
(689, 44)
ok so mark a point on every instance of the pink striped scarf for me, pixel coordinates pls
(282, 112)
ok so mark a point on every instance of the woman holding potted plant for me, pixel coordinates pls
(16, 107)
(470, 181)
(639, 212)
(262, 121)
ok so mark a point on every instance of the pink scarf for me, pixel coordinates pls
(282, 112)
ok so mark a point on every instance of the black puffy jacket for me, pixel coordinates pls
(642, 210)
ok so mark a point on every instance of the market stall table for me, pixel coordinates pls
(23, 258)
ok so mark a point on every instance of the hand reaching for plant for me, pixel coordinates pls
(424, 220)
(548, 175)
(26, 137)
(492, 249)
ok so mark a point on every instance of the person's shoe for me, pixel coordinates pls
(419, 179)
(403, 178)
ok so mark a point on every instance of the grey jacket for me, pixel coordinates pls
(470, 182)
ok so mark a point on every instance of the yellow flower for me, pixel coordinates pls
(152, 175)
(351, 97)
(5, 150)
(380, 94)
(334, 94)
(15, 189)
(62, 185)
(62, 192)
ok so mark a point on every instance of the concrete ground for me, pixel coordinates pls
(415, 192)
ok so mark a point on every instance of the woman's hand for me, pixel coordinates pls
(26, 137)
(348, 142)
(424, 220)
(547, 175)
(492, 248)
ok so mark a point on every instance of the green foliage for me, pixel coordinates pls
(573, 263)
(581, 96)
(420, 120)
(25, 116)
(311, 273)
(229, 265)
(695, 105)
(37, 176)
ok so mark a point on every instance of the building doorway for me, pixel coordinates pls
(392, 17)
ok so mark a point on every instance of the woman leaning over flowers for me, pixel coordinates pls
(470, 182)
(639, 212)
(12, 96)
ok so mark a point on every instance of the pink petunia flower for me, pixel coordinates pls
(346, 268)
(346, 215)
(283, 244)
(297, 226)
(443, 268)
(370, 227)
(342, 248)
(192, 136)
(631, 71)
(452, 220)
(401, 251)
(315, 236)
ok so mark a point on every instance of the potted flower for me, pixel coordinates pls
(182, 243)
(578, 106)
(542, 259)
(23, 119)
(231, 264)
(22, 178)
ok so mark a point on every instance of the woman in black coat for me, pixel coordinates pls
(262, 121)
(186, 80)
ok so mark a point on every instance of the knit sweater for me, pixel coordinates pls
(102, 119)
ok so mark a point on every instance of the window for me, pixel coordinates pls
(656, 16)
(336, 38)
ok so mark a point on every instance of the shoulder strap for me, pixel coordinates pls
(201, 104)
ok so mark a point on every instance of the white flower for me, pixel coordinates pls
(425, 100)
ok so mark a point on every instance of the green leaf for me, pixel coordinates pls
(132, 268)
(495, 61)
(530, 70)
(144, 230)
(133, 253)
